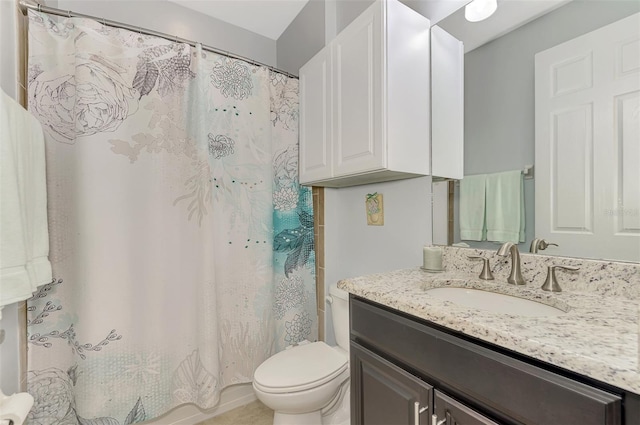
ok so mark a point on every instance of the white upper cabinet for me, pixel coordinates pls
(365, 101)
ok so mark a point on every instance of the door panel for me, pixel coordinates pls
(627, 109)
(384, 394)
(357, 53)
(315, 116)
(571, 177)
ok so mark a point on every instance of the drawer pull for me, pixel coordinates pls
(417, 411)
(434, 420)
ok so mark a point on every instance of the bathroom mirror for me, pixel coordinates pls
(499, 122)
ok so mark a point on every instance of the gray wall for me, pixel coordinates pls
(303, 38)
(348, 10)
(313, 28)
(8, 47)
(171, 18)
(499, 91)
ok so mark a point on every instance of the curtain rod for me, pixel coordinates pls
(25, 5)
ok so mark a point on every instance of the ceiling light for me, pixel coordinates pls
(478, 10)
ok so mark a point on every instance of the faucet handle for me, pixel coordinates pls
(544, 244)
(540, 245)
(551, 282)
(485, 274)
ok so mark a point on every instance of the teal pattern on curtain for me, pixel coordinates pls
(181, 241)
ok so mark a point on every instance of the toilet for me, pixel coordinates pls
(308, 384)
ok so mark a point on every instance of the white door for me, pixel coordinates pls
(315, 118)
(357, 56)
(587, 113)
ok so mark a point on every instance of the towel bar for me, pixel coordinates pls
(527, 172)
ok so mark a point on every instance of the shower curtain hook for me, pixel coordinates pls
(140, 30)
(104, 22)
(39, 8)
(176, 39)
(68, 13)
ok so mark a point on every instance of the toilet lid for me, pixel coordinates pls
(299, 368)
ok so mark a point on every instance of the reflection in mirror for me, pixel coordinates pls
(500, 123)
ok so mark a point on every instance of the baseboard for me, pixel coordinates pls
(230, 398)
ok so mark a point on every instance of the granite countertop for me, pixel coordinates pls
(598, 336)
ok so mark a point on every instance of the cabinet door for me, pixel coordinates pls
(384, 394)
(315, 118)
(447, 100)
(357, 61)
(451, 412)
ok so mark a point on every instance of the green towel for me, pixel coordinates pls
(505, 207)
(472, 208)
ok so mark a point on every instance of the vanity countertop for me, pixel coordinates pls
(598, 336)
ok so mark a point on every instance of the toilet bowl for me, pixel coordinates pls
(305, 382)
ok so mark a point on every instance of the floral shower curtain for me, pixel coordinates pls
(181, 242)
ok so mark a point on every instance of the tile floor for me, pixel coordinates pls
(254, 413)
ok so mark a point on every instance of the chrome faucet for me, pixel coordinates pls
(515, 278)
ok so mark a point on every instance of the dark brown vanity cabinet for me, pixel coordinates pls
(449, 411)
(407, 371)
(386, 394)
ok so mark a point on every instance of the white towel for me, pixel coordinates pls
(505, 207)
(24, 235)
(472, 208)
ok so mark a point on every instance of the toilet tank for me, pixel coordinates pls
(340, 315)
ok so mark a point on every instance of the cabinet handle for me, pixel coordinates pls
(417, 411)
(434, 420)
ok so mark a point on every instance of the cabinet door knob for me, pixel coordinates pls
(417, 410)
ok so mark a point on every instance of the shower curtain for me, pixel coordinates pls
(181, 242)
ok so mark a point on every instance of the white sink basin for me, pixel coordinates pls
(494, 302)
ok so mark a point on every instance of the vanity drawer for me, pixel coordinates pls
(501, 384)
(407, 341)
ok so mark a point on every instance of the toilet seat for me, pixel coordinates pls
(300, 368)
